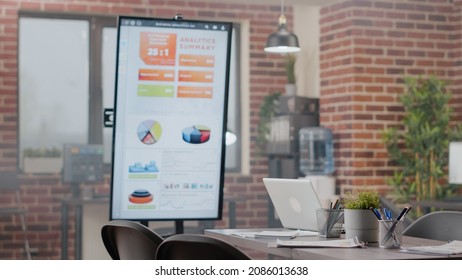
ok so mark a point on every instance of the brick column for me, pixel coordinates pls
(366, 48)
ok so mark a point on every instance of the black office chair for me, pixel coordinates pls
(439, 225)
(9, 183)
(198, 247)
(128, 240)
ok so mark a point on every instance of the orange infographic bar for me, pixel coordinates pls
(195, 92)
(195, 76)
(197, 60)
(156, 75)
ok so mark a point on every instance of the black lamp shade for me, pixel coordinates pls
(282, 41)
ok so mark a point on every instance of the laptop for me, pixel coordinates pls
(295, 201)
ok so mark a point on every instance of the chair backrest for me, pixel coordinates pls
(439, 225)
(198, 247)
(128, 240)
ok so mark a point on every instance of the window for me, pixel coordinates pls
(60, 62)
(53, 82)
(233, 152)
(66, 79)
(108, 72)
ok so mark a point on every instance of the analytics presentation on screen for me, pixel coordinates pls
(170, 119)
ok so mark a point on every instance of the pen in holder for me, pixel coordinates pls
(330, 222)
(390, 234)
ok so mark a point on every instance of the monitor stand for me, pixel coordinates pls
(179, 226)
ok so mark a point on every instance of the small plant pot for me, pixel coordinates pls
(361, 223)
(43, 165)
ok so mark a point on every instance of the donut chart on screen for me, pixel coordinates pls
(196, 134)
(140, 196)
(149, 132)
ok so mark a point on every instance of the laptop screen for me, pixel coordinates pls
(295, 201)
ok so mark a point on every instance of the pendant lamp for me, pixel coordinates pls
(282, 41)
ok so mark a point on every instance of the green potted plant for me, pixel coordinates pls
(42, 160)
(291, 87)
(420, 149)
(267, 111)
(360, 221)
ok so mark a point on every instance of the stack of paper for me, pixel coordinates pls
(451, 248)
(276, 234)
(336, 243)
(285, 233)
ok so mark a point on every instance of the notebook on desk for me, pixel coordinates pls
(295, 202)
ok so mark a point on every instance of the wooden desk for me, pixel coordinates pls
(372, 252)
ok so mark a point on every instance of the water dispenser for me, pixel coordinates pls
(316, 151)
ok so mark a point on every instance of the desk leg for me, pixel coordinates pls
(78, 232)
(64, 229)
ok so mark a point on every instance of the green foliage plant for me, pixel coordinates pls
(420, 149)
(42, 152)
(361, 199)
(267, 111)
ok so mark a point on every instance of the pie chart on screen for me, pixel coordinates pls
(149, 132)
(196, 134)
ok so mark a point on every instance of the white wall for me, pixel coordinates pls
(306, 27)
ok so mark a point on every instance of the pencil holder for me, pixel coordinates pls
(390, 234)
(330, 222)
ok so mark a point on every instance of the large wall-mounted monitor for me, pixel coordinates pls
(170, 119)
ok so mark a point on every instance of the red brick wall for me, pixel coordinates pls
(366, 48)
(42, 194)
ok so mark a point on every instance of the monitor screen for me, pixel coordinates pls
(170, 119)
(82, 163)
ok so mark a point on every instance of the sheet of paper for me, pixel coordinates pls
(285, 233)
(276, 233)
(336, 243)
(451, 248)
(247, 234)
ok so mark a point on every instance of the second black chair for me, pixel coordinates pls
(128, 240)
(438, 225)
(198, 247)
